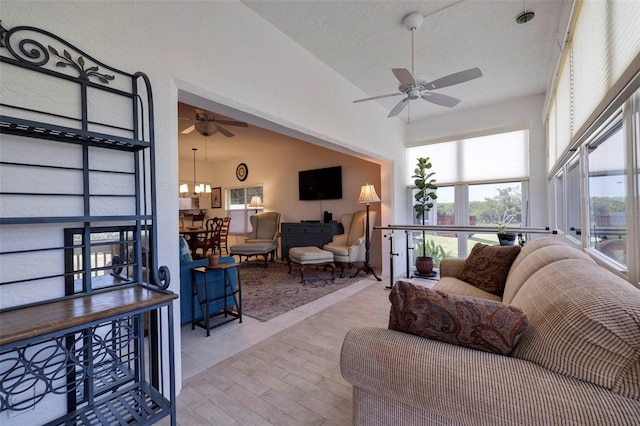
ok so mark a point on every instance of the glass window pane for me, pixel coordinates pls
(238, 209)
(574, 205)
(559, 207)
(492, 204)
(443, 244)
(607, 197)
(445, 206)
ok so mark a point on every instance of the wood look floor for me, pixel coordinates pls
(290, 378)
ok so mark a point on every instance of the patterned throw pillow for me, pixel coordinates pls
(475, 323)
(487, 267)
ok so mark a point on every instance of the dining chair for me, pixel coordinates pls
(224, 233)
(197, 220)
(206, 240)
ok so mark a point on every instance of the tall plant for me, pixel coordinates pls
(423, 180)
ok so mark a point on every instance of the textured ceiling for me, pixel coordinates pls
(363, 40)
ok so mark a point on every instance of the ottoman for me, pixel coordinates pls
(304, 256)
(253, 249)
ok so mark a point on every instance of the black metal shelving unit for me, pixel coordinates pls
(97, 335)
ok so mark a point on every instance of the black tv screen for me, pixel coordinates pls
(320, 184)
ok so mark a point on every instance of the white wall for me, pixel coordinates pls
(226, 53)
(518, 114)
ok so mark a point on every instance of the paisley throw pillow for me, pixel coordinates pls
(487, 267)
(475, 323)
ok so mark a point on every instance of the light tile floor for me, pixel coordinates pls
(281, 372)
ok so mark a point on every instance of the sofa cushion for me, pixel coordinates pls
(533, 262)
(455, 286)
(487, 267)
(532, 246)
(471, 322)
(584, 322)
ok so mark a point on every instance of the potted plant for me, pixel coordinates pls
(505, 238)
(424, 182)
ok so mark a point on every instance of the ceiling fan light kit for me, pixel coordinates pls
(207, 125)
(419, 88)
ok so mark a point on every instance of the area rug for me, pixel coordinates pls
(272, 291)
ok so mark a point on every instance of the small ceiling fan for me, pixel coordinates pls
(415, 87)
(207, 125)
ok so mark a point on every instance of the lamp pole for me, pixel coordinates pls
(367, 194)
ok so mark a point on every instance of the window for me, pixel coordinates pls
(471, 189)
(607, 196)
(493, 204)
(559, 199)
(574, 205)
(238, 209)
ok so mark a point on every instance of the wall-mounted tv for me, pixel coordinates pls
(320, 184)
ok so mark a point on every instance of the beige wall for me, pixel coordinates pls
(277, 171)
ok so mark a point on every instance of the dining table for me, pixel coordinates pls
(190, 233)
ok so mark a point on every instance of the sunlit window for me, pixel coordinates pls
(607, 196)
(559, 200)
(238, 209)
(574, 205)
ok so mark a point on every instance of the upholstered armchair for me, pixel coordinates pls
(265, 228)
(349, 247)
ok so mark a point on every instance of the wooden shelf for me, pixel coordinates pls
(34, 321)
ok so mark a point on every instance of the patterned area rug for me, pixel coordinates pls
(267, 293)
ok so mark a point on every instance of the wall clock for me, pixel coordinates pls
(242, 171)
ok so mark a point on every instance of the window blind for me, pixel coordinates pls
(603, 49)
(497, 157)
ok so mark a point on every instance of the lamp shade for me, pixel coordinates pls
(184, 188)
(368, 194)
(256, 201)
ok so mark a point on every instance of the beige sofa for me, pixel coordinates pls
(578, 361)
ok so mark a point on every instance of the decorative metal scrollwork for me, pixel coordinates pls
(33, 52)
(104, 354)
(163, 278)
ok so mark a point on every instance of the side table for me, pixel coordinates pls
(206, 295)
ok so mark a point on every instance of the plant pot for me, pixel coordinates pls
(506, 239)
(214, 259)
(424, 265)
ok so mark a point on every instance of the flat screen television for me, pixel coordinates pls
(320, 184)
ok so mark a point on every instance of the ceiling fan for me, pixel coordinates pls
(206, 124)
(415, 87)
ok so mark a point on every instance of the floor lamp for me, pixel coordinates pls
(367, 195)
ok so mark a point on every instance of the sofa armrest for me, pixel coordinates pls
(473, 387)
(451, 266)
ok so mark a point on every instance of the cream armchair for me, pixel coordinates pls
(349, 247)
(265, 229)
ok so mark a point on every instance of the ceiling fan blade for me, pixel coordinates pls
(189, 129)
(404, 76)
(225, 131)
(232, 123)
(455, 78)
(398, 108)
(440, 99)
(378, 97)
